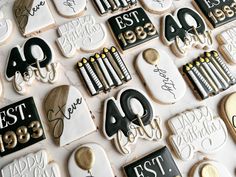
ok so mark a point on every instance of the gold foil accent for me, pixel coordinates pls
(85, 158)
(151, 56)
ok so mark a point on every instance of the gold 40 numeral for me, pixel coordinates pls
(130, 37)
(22, 136)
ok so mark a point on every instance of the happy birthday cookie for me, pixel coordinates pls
(208, 75)
(209, 168)
(89, 160)
(197, 130)
(227, 48)
(70, 8)
(103, 71)
(32, 16)
(31, 61)
(157, 6)
(228, 112)
(81, 34)
(129, 117)
(33, 164)
(106, 6)
(68, 114)
(158, 163)
(184, 30)
(6, 28)
(20, 127)
(217, 13)
(160, 76)
(132, 28)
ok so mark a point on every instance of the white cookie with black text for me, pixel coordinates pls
(160, 76)
(195, 131)
(33, 164)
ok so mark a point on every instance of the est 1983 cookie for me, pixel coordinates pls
(89, 160)
(132, 28)
(157, 6)
(195, 131)
(158, 163)
(31, 61)
(209, 168)
(33, 164)
(129, 117)
(70, 8)
(20, 126)
(184, 30)
(81, 33)
(160, 76)
(6, 28)
(227, 39)
(68, 114)
(32, 16)
(217, 12)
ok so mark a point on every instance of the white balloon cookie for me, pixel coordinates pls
(82, 33)
(209, 168)
(70, 8)
(160, 75)
(157, 6)
(228, 48)
(197, 130)
(6, 28)
(89, 160)
(129, 117)
(33, 16)
(68, 114)
(36, 164)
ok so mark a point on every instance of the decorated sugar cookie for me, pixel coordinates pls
(33, 164)
(160, 76)
(209, 168)
(20, 127)
(32, 16)
(104, 71)
(81, 33)
(228, 112)
(6, 28)
(129, 117)
(228, 44)
(184, 30)
(217, 12)
(106, 6)
(157, 6)
(68, 114)
(195, 131)
(132, 28)
(158, 163)
(70, 8)
(208, 75)
(89, 160)
(31, 61)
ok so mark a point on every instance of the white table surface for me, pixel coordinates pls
(67, 75)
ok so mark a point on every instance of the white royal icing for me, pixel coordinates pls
(221, 169)
(197, 131)
(74, 112)
(6, 28)
(100, 168)
(31, 165)
(157, 6)
(33, 16)
(82, 33)
(162, 80)
(70, 8)
(228, 48)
